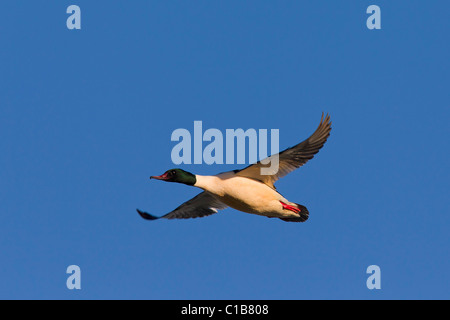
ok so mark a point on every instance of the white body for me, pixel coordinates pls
(247, 195)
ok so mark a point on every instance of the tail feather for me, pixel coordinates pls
(304, 215)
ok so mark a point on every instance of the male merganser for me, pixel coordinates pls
(247, 189)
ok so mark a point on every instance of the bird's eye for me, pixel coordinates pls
(173, 172)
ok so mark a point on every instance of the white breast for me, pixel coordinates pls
(243, 194)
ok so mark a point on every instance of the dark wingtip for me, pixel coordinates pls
(146, 216)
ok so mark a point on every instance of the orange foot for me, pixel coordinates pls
(291, 208)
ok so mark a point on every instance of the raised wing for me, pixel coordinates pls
(204, 204)
(292, 158)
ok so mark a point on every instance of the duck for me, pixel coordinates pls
(247, 189)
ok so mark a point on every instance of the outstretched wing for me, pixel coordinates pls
(204, 204)
(292, 158)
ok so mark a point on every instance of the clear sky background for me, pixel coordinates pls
(86, 117)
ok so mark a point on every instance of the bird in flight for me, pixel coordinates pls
(247, 190)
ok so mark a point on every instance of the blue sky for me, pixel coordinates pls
(86, 117)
